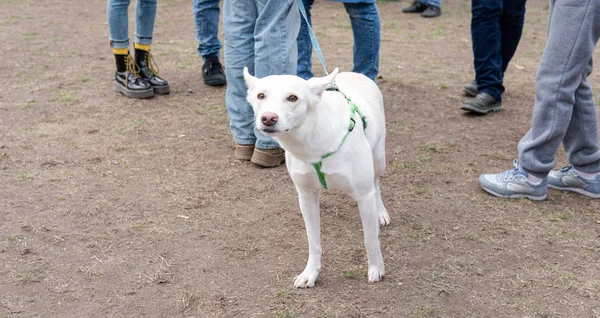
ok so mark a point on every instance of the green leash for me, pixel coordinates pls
(353, 110)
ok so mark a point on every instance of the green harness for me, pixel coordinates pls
(353, 110)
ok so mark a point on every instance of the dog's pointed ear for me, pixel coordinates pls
(319, 84)
(249, 79)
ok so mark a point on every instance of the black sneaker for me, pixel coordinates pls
(149, 72)
(483, 103)
(416, 7)
(212, 73)
(432, 12)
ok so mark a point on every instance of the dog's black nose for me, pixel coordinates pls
(269, 119)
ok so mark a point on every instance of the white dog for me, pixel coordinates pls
(327, 146)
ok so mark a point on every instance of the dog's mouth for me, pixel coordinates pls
(272, 131)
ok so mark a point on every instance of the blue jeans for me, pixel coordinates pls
(206, 18)
(366, 30)
(435, 3)
(116, 13)
(496, 27)
(260, 35)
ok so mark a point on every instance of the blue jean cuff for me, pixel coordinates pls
(145, 40)
(119, 44)
(244, 142)
(262, 145)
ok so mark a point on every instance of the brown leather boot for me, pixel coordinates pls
(268, 157)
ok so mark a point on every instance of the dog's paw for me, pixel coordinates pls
(384, 217)
(306, 279)
(376, 273)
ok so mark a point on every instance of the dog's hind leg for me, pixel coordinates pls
(309, 206)
(379, 166)
(367, 205)
(384, 218)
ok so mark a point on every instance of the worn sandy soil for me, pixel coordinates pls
(113, 207)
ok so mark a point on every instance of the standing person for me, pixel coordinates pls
(261, 35)
(564, 111)
(206, 18)
(427, 8)
(366, 30)
(139, 78)
(496, 27)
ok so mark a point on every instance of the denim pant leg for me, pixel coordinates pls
(206, 19)
(486, 38)
(305, 45)
(435, 3)
(118, 23)
(366, 29)
(276, 51)
(513, 18)
(565, 110)
(145, 13)
(239, 19)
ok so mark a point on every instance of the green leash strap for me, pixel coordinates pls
(353, 110)
(320, 174)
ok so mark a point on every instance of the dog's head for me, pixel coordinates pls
(282, 102)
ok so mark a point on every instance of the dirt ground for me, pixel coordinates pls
(114, 207)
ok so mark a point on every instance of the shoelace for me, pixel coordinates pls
(152, 66)
(131, 68)
(512, 174)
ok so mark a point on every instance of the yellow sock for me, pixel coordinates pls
(145, 47)
(121, 51)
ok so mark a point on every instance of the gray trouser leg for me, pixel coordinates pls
(565, 110)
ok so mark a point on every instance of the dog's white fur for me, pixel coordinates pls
(314, 125)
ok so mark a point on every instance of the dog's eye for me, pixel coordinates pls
(260, 96)
(292, 98)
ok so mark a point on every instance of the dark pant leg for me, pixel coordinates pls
(513, 17)
(486, 36)
(305, 45)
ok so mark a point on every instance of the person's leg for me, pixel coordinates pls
(513, 17)
(486, 38)
(305, 45)
(145, 14)
(206, 19)
(275, 48)
(366, 29)
(581, 138)
(239, 18)
(116, 14)
(127, 81)
(564, 105)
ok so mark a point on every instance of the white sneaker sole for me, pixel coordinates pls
(516, 196)
(578, 190)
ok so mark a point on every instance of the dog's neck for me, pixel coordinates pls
(322, 131)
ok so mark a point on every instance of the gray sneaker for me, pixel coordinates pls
(568, 180)
(513, 184)
(471, 89)
(483, 103)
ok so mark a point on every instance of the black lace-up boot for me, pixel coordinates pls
(149, 72)
(127, 79)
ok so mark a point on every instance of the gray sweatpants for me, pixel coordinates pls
(565, 110)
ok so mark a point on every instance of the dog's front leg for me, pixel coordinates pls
(309, 205)
(367, 205)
